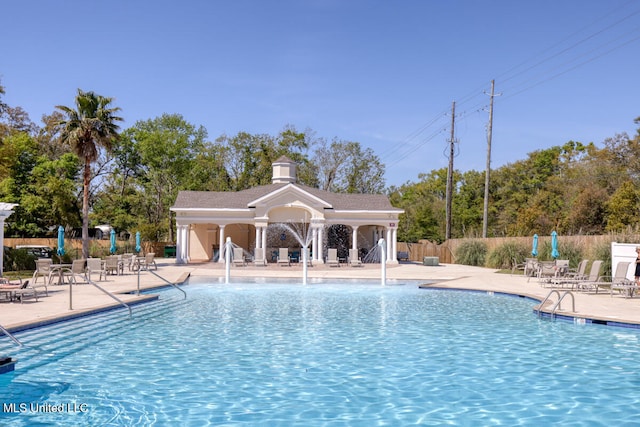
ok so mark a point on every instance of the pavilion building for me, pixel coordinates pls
(283, 214)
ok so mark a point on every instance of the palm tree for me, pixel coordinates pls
(87, 128)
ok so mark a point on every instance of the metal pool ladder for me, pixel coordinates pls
(10, 335)
(557, 305)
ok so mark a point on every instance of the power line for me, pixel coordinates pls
(544, 79)
(407, 147)
(573, 46)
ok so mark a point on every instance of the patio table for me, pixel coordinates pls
(58, 270)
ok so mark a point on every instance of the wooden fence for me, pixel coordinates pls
(98, 247)
(417, 251)
(446, 251)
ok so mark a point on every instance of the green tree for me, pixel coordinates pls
(345, 167)
(623, 207)
(88, 128)
(468, 205)
(167, 147)
(424, 206)
(44, 188)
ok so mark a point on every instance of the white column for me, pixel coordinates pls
(264, 241)
(258, 237)
(187, 239)
(184, 231)
(221, 244)
(320, 245)
(388, 239)
(354, 237)
(181, 245)
(314, 243)
(1, 245)
(178, 244)
(394, 246)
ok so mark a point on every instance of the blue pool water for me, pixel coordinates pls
(323, 355)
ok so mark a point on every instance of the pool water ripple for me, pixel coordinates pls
(342, 355)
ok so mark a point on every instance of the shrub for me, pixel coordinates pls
(570, 251)
(97, 251)
(18, 260)
(507, 254)
(602, 251)
(472, 252)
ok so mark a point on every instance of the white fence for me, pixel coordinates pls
(624, 252)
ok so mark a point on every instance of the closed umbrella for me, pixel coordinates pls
(113, 248)
(554, 245)
(60, 250)
(138, 247)
(534, 247)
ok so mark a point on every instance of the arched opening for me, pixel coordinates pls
(339, 237)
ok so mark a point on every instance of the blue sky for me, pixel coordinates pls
(378, 72)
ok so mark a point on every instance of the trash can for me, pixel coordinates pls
(170, 251)
(430, 260)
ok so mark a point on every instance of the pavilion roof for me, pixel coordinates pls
(242, 199)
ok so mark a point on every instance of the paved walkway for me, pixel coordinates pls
(86, 298)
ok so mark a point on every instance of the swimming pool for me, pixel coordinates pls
(323, 355)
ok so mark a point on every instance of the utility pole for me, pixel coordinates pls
(485, 217)
(452, 140)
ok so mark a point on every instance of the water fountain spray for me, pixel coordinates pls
(228, 247)
(383, 261)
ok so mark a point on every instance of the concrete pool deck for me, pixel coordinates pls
(601, 308)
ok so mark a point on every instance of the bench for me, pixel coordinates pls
(403, 256)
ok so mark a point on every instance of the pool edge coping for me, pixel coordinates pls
(141, 299)
(542, 311)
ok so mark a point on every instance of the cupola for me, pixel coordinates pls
(284, 171)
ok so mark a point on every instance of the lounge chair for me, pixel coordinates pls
(25, 291)
(238, 257)
(529, 267)
(95, 265)
(628, 288)
(606, 282)
(569, 277)
(146, 262)
(562, 267)
(547, 272)
(43, 269)
(623, 285)
(113, 265)
(354, 259)
(583, 282)
(259, 258)
(6, 289)
(11, 289)
(283, 257)
(580, 271)
(131, 261)
(332, 257)
(78, 268)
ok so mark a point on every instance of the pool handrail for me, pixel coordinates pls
(99, 287)
(10, 335)
(557, 304)
(161, 278)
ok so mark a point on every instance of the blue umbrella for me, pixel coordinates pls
(138, 247)
(534, 248)
(60, 251)
(554, 245)
(113, 248)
